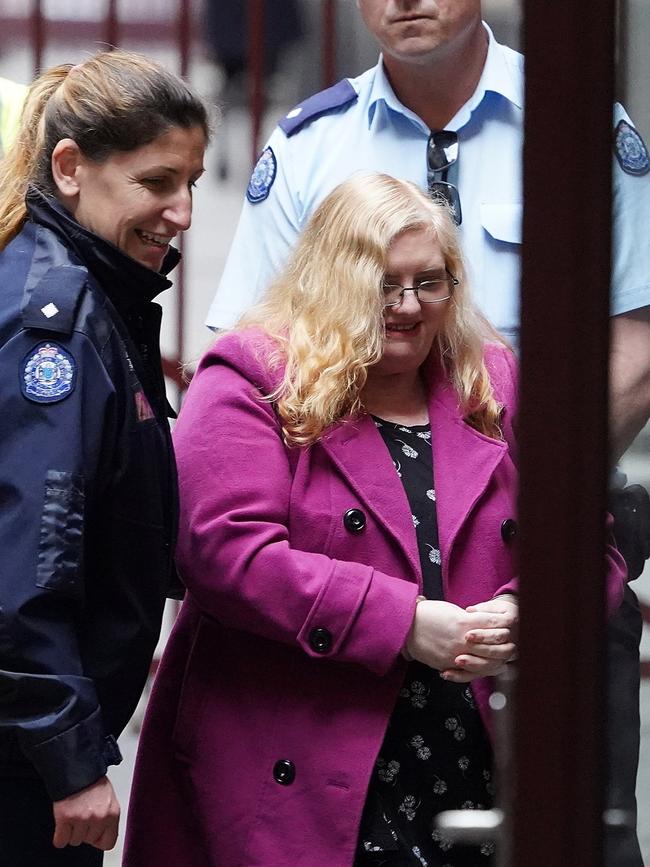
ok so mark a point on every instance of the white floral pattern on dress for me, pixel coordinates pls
(444, 842)
(408, 450)
(434, 555)
(417, 692)
(469, 697)
(409, 807)
(422, 752)
(418, 855)
(435, 756)
(387, 771)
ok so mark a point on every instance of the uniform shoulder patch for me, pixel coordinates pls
(630, 149)
(48, 373)
(336, 96)
(262, 178)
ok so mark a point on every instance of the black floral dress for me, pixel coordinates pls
(435, 755)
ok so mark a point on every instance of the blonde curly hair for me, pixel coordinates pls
(325, 312)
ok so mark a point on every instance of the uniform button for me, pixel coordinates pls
(509, 529)
(354, 520)
(320, 639)
(284, 772)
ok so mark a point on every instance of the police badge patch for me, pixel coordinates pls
(49, 373)
(630, 149)
(262, 178)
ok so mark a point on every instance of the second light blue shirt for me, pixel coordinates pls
(376, 132)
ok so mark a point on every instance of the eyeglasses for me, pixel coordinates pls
(442, 153)
(427, 291)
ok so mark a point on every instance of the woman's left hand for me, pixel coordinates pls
(493, 648)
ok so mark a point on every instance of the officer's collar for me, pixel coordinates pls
(497, 77)
(124, 280)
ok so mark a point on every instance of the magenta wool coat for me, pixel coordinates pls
(284, 665)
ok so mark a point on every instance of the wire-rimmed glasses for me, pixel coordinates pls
(428, 290)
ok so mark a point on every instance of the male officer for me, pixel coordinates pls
(442, 70)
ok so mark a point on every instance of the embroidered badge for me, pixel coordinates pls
(262, 178)
(630, 149)
(49, 373)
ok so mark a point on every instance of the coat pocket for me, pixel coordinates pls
(193, 692)
(60, 549)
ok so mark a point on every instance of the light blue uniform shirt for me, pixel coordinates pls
(376, 132)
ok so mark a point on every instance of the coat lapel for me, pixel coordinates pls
(357, 449)
(464, 461)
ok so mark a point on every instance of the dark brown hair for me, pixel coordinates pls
(115, 101)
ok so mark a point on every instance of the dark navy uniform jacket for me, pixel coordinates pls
(88, 497)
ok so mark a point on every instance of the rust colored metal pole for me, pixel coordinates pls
(112, 25)
(328, 44)
(184, 48)
(184, 35)
(559, 738)
(38, 35)
(255, 9)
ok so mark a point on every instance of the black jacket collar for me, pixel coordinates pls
(126, 282)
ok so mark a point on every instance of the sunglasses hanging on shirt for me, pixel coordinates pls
(442, 155)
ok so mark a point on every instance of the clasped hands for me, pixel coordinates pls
(464, 643)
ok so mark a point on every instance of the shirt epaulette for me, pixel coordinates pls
(338, 95)
(53, 303)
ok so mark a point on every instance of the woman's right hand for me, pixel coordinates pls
(90, 816)
(438, 637)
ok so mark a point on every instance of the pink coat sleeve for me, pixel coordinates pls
(235, 554)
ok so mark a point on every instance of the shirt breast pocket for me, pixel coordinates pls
(502, 221)
(498, 289)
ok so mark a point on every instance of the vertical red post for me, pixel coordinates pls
(184, 35)
(328, 41)
(38, 35)
(255, 10)
(184, 24)
(112, 25)
(559, 735)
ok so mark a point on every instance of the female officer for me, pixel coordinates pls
(348, 489)
(96, 188)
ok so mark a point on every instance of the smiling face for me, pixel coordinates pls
(411, 327)
(414, 30)
(139, 200)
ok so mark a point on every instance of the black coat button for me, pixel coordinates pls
(284, 772)
(320, 639)
(509, 529)
(354, 520)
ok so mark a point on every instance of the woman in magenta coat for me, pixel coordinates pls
(325, 689)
